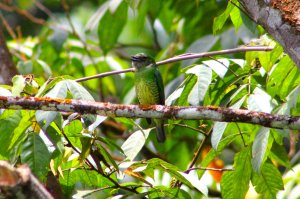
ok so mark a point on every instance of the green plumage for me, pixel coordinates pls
(149, 87)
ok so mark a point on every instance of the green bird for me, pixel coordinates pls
(149, 87)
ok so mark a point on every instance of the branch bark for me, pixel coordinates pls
(152, 111)
(20, 183)
(270, 18)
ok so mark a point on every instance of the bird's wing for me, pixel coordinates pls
(160, 87)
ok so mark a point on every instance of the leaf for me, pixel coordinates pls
(45, 67)
(163, 166)
(58, 91)
(235, 184)
(213, 153)
(260, 101)
(219, 127)
(87, 178)
(221, 19)
(269, 182)
(218, 130)
(78, 91)
(279, 154)
(259, 148)
(196, 183)
(236, 18)
(134, 143)
(107, 156)
(204, 77)
(99, 119)
(25, 67)
(291, 102)
(54, 135)
(220, 66)
(19, 84)
(9, 122)
(5, 92)
(36, 155)
(165, 192)
(73, 132)
(189, 85)
(110, 26)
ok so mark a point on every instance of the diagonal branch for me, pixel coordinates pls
(152, 111)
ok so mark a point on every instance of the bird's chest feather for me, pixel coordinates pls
(146, 89)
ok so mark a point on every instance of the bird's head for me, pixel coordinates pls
(141, 60)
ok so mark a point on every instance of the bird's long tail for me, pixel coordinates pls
(160, 131)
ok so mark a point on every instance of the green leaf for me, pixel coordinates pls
(218, 130)
(189, 181)
(107, 156)
(134, 143)
(73, 132)
(58, 91)
(18, 133)
(235, 184)
(219, 66)
(236, 18)
(259, 148)
(9, 121)
(25, 67)
(166, 192)
(260, 101)
(291, 102)
(196, 183)
(279, 154)
(88, 179)
(36, 155)
(204, 77)
(269, 182)
(219, 127)
(188, 87)
(54, 135)
(78, 91)
(111, 25)
(19, 84)
(221, 19)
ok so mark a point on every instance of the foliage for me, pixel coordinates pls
(95, 156)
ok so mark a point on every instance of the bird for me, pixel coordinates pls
(149, 88)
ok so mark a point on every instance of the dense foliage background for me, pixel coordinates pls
(56, 42)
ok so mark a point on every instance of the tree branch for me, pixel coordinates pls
(184, 57)
(152, 111)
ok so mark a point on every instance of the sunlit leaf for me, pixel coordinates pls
(204, 77)
(134, 143)
(259, 148)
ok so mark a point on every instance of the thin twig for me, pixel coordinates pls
(240, 132)
(183, 57)
(220, 52)
(210, 169)
(23, 13)
(105, 74)
(224, 65)
(195, 129)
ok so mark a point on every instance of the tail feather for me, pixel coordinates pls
(160, 131)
